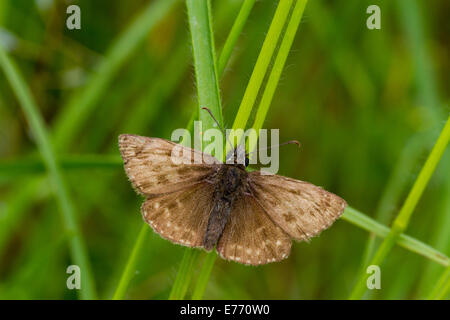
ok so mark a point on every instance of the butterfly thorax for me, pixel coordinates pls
(230, 182)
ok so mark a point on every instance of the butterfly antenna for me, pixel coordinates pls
(220, 127)
(277, 146)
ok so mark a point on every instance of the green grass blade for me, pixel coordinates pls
(226, 52)
(36, 122)
(204, 275)
(365, 222)
(261, 66)
(234, 34)
(278, 67)
(207, 82)
(439, 238)
(401, 221)
(184, 274)
(396, 185)
(130, 268)
(442, 287)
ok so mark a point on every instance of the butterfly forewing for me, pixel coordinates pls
(150, 167)
(250, 237)
(300, 208)
(181, 216)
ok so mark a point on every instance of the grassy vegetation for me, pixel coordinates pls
(367, 106)
(36, 123)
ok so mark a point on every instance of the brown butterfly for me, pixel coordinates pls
(249, 217)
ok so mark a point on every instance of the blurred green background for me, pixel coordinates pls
(366, 106)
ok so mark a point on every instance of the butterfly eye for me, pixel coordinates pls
(247, 161)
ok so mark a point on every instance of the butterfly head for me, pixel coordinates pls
(238, 156)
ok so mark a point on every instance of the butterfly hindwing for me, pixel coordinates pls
(250, 237)
(300, 208)
(181, 216)
(150, 167)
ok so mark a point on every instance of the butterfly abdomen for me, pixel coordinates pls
(228, 186)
